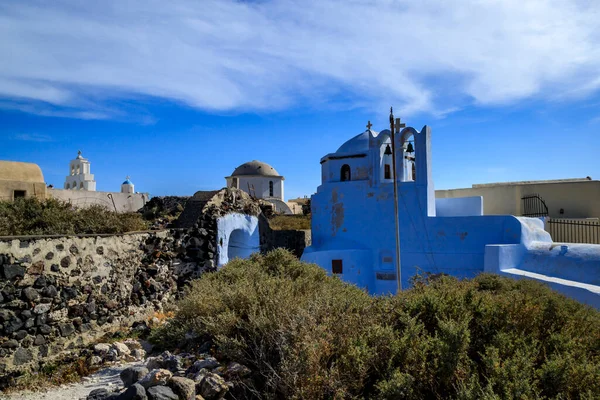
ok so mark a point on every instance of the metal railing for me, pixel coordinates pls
(534, 206)
(574, 231)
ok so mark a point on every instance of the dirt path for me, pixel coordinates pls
(106, 378)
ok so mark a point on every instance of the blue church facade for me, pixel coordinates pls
(353, 225)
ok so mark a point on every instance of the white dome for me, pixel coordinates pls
(255, 167)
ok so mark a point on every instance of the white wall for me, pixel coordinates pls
(261, 185)
(237, 237)
(124, 202)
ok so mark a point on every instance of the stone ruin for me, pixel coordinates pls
(58, 294)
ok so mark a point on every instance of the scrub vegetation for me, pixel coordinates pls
(54, 217)
(289, 222)
(309, 336)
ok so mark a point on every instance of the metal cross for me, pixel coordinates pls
(369, 125)
(399, 125)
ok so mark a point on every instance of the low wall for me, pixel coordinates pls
(60, 293)
(293, 240)
(120, 202)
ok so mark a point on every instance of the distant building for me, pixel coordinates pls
(80, 177)
(298, 205)
(21, 180)
(261, 181)
(560, 198)
(127, 186)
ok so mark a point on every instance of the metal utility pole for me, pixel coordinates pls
(397, 126)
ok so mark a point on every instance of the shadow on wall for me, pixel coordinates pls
(237, 237)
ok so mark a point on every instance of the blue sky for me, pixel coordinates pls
(177, 94)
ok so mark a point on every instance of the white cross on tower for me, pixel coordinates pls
(369, 125)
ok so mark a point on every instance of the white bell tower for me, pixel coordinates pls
(80, 177)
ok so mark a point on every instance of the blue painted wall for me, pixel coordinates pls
(353, 221)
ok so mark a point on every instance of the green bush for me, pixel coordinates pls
(54, 217)
(309, 336)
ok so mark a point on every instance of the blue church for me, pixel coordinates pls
(354, 225)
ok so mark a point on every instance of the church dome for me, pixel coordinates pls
(127, 182)
(255, 167)
(358, 144)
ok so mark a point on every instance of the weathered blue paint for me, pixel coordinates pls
(237, 237)
(353, 221)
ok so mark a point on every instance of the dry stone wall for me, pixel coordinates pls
(58, 294)
(293, 240)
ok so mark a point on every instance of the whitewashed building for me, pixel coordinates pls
(80, 177)
(261, 181)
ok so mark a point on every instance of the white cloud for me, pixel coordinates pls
(422, 56)
(32, 137)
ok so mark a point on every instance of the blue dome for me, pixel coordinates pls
(358, 144)
(127, 182)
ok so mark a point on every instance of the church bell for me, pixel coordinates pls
(388, 150)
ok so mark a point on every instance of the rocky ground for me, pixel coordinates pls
(127, 374)
(107, 378)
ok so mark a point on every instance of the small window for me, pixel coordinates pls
(270, 188)
(234, 183)
(345, 173)
(81, 185)
(336, 266)
(388, 171)
(19, 194)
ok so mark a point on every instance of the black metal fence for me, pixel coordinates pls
(574, 231)
(534, 206)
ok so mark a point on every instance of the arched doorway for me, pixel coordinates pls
(240, 245)
(237, 237)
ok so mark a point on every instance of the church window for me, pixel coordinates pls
(270, 188)
(234, 183)
(345, 173)
(336, 266)
(387, 171)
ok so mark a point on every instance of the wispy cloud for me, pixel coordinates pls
(425, 56)
(32, 137)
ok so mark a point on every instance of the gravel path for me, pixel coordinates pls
(106, 378)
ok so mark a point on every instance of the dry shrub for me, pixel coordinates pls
(290, 222)
(54, 217)
(307, 335)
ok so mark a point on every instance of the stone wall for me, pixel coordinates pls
(63, 292)
(117, 201)
(60, 293)
(293, 240)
